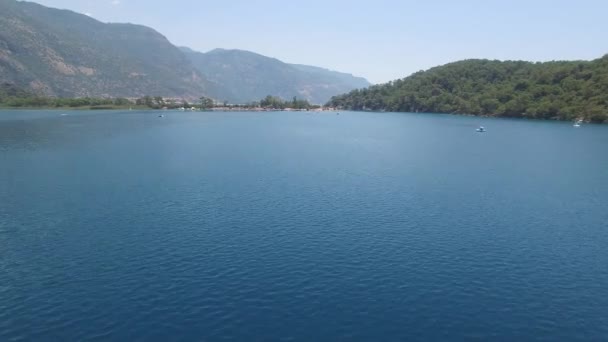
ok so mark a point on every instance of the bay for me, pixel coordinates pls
(300, 226)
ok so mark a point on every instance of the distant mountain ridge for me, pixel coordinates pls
(61, 53)
(244, 76)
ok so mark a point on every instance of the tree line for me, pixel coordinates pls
(12, 96)
(278, 103)
(549, 90)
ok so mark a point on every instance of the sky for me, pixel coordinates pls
(380, 40)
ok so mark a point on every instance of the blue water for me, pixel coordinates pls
(306, 227)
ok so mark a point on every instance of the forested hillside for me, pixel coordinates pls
(550, 90)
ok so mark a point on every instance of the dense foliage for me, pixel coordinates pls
(278, 103)
(551, 90)
(15, 97)
(34, 101)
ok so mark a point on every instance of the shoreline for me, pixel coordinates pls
(77, 108)
(261, 110)
(488, 116)
(144, 108)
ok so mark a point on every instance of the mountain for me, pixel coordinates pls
(551, 90)
(242, 76)
(61, 53)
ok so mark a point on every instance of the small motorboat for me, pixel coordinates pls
(578, 123)
(161, 116)
(481, 129)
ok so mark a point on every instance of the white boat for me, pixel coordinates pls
(578, 123)
(481, 129)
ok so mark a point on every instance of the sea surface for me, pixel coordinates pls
(127, 226)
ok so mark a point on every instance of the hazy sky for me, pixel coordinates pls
(381, 39)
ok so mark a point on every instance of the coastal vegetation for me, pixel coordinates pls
(550, 90)
(278, 103)
(15, 97)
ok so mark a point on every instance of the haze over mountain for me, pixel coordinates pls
(62, 53)
(243, 76)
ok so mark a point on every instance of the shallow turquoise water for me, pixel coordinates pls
(298, 226)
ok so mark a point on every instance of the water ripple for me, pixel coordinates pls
(300, 228)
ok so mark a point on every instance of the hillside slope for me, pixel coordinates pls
(62, 53)
(242, 76)
(550, 90)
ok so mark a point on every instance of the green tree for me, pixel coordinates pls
(206, 103)
(552, 90)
